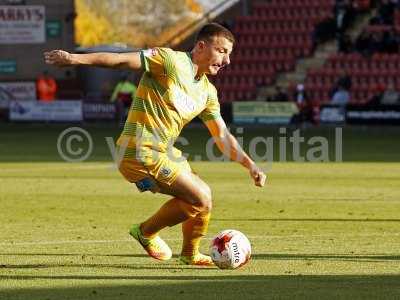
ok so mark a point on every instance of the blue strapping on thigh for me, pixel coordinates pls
(146, 184)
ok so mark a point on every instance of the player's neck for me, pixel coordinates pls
(198, 73)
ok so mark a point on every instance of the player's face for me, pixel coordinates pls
(215, 54)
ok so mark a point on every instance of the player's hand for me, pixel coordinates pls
(258, 176)
(58, 58)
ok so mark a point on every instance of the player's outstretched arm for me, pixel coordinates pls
(229, 146)
(61, 58)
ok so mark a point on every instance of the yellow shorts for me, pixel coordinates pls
(161, 167)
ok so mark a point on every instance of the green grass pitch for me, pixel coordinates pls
(318, 230)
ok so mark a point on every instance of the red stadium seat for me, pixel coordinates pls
(270, 39)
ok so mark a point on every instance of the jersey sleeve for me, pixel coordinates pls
(158, 61)
(212, 110)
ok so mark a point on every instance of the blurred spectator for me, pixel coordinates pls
(341, 97)
(46, 87)
(390, 42)
(123, 94)
(344, 81)
(377, 97)
(300, 95)
(324, 31)
(390, 95)
(363, 42)
(344, 14)
(376, 44)
(345, 44)
(386, 12)
(280, 95)
(305, 107)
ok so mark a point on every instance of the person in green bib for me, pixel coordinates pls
(123, 94)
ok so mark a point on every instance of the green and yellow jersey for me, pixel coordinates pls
(167, 98)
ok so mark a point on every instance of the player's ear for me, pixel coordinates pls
(201, 45)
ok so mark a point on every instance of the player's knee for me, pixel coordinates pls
(209, 198)
(204, 205)
(204, 201)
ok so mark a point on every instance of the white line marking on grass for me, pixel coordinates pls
(88, 242)
(56, 166)
(63, 242)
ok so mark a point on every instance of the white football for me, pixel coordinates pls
(230, 249)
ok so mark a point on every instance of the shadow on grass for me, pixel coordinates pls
(167, 266)
(208, 287)
(175, 265)
(363, 144)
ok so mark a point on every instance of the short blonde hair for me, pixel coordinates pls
(208, 31)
